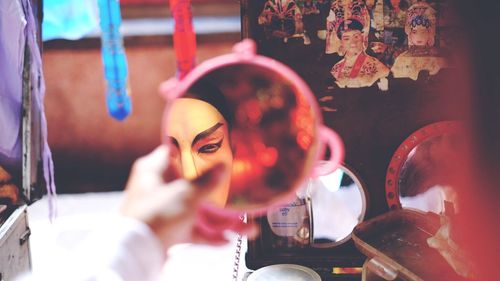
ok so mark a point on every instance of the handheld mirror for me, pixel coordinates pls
(256, 116)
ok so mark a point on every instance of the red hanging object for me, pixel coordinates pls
(184, 36)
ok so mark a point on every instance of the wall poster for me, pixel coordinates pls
(352, 43)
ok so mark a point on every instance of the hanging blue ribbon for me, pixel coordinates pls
(115, 61)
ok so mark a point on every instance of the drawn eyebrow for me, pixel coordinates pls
(206, 133)
(174, 141)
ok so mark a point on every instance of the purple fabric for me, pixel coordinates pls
(18, 28)
(38, 95)
(12, 40)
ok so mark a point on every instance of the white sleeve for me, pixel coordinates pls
(125, 250)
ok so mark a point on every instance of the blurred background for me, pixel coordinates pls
(94, 152)
(91, 150)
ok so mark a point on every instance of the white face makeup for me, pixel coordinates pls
(420, 36)
(353, 42)
(199, 139)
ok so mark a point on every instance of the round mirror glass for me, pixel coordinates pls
(252, 119)
(338, 204)
(426, 174)
(324, 213)
(426, 178)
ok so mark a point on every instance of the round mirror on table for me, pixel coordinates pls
(424, 170)
(324, 213)
(255, 116)
(338, 204)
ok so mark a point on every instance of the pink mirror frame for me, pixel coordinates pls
(244, 52)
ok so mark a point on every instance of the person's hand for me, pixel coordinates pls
(177, 211)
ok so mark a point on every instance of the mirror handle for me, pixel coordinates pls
(246, 48)
(169, 89)
(334, 142)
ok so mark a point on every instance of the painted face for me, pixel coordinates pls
(395, 3)
(199, 139)
(420, 36)
(352, 42)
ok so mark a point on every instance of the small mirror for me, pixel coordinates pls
(252, 114)
(338, 204)
(426, 175)
(324, 213)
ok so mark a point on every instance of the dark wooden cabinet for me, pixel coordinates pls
(372, 122)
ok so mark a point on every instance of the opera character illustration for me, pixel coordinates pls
(310, 7)
(357, 69)
(422, 55)
(388, 18)
(395, 13)
(337, 14)
(283, 19)
(376, 10)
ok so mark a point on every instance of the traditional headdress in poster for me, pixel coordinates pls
(377, 13)
(310, 7)
(342, 14)
(282, 19)
(351, 27)
(421, 55)
(395, 13)
(421, 17)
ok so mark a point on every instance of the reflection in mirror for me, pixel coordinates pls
(426, 177)
(338, 204)
(290, 223)
(253, 120)
(324, 213)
